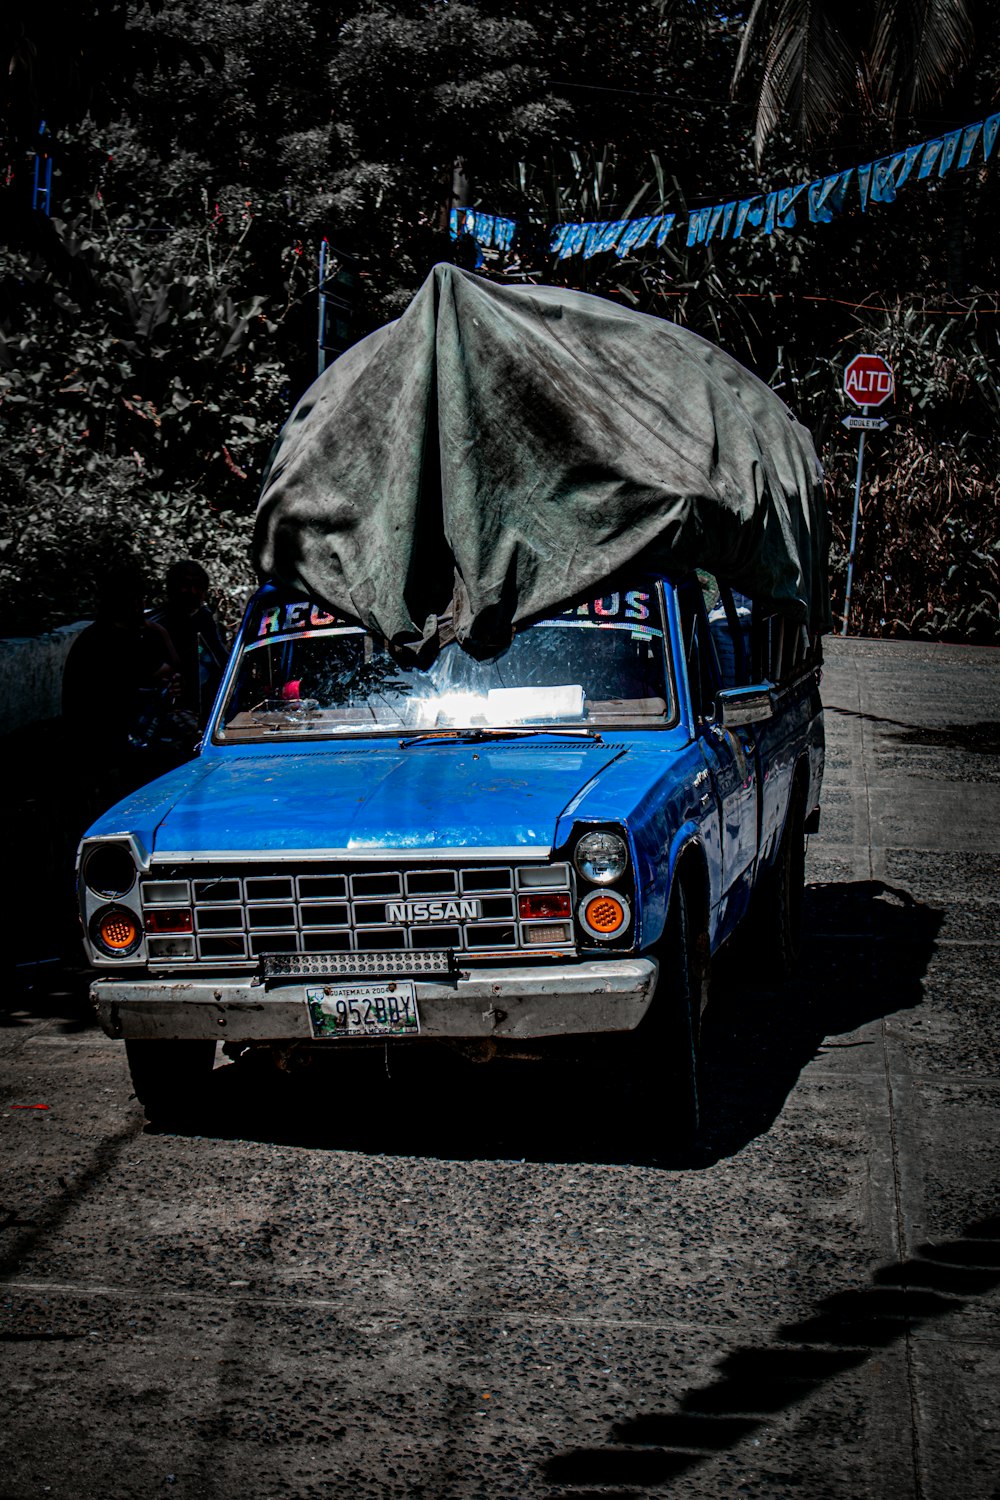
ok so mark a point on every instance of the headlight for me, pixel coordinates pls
(601, 858)
(109, 869)
(116, 931)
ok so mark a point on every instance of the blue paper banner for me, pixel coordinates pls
(876, 182)
(698, 225)
(990, 128)
(786, 205)
(488, 229)
(970, 136)
(828, 195)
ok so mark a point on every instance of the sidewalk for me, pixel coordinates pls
(912, 802)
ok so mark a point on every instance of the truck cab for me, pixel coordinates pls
(377, 847)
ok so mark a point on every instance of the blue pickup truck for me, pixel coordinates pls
(487, 854)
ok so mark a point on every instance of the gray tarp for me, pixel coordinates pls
(500, 450)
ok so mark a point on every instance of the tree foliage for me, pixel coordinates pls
(815, 61)
(156, 328)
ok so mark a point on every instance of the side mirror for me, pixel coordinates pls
(744, 705)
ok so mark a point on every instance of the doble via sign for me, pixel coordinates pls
(864, 424)
(868, 380)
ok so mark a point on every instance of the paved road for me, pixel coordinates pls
(485, 1288)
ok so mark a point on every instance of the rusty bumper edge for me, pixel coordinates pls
(567, 1000)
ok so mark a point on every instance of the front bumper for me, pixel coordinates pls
(564, 1000)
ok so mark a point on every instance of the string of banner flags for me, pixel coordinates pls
(875, 182)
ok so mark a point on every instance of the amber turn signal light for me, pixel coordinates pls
(117, 931)
(604, 914)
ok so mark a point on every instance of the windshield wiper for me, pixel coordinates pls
(478, 734)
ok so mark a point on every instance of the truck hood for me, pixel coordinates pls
(430, 796)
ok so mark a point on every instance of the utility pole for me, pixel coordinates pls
(338, 285)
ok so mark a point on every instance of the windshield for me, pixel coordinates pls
(303, 672)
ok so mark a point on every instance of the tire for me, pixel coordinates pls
(170, 1080)
(777, 920)
(665, 1050)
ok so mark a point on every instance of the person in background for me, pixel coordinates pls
(194, 635)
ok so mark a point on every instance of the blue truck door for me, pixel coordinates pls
(781, 649)
(731, 754)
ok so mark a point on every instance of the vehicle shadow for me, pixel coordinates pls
(752, 1384)
(865, 952)
(981, 738)
(866, 949)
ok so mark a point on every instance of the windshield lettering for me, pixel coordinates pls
(290, 618)
(302, 672)
(633, 605)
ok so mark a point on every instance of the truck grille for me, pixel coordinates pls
(232, 915)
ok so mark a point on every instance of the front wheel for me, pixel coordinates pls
(685, 974)
(664, 1062)
(777, 920)
(170, 1079)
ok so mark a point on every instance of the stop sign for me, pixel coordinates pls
(868, 380)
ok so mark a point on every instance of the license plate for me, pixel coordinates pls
(380, 1009)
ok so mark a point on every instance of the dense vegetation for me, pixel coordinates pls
(157, 326)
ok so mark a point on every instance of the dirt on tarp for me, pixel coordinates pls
(500, 451)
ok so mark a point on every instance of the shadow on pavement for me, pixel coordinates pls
(753, 1383)
(60, 1205)
(982, 738)
(50, 989)
(866, 950)
(865, 953)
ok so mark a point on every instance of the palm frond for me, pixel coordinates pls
(757, 21)
(918, 46)
(809, 72)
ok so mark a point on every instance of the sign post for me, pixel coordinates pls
(337, 296)
(869, 381)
